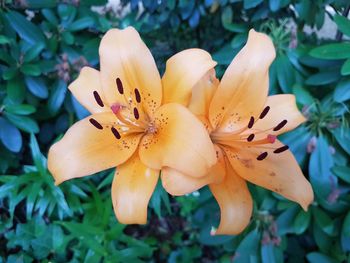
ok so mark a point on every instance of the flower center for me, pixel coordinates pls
(242, 138)
(131, 117)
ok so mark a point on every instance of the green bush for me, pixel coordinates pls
(44, 44)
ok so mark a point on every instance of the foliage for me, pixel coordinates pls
(43, 45)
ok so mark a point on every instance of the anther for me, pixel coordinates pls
(264, 112)
(98, 99)
(96, 123)
(280, 125)
(137, 95)
(136, 113)
(251, 122)
(262, 156)
(116, 133)
(281, 149)
(119, 86)
(250, 137)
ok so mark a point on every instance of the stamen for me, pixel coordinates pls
(98, 98)
(96, 123)
(271, 138)
(116, 133)
(280, 125)
(119, 86)
(264, 112)
(262, 156)
(281, 149)
(251, 122)
(250, 137)
(136, 113)
(137, 95)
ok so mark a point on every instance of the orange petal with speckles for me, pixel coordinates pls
(282, 107)
(235, 203)
(243, 89)
(278, 172)
(123, 55)
(132, 188)
(179, 141)
(85, 150)
(183, 71)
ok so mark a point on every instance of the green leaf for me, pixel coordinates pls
(4, 40)
(346, 225)
(81, 23)
(285, 73)
(30, 69)
(342, 135)
(37, 87)
(323, 78)
(16, 90)
(33, 53)
(324, 221)
(332, 51)
(24, 123)
(274, 5)
(37, 4)
(22, 109)
(343, 24)
(342, 91)
(26, 29)
(315, 257)
(57, 97)
(345, 69)
(38, 158)
(321, 162)
(247, 4)
(301, 222)
(342, 172)
(248, 248)
(10, 136)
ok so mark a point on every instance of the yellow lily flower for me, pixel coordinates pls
(244, 124)
(130, 127)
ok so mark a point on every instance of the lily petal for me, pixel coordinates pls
(281, 108)
(177, 184)
(243, 89)
(178, 140)
(202, 94)
(83, 89)
(132, 188)
(235, 203)
(183, 71)
(278, 172)
(123, 55)
(85, 150)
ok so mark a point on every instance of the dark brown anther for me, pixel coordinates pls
(119, 86)
(262, 156)
(137, 95)
(251, 122)
(281, 149)
(96, 123)
(136, 114)
(250, 137)
(264, 112)
(98, 99)
(280, 125)
(116, 133)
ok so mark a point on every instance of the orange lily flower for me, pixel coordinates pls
(244, 124)
(130, 127)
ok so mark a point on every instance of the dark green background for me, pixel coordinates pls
(75, 222)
